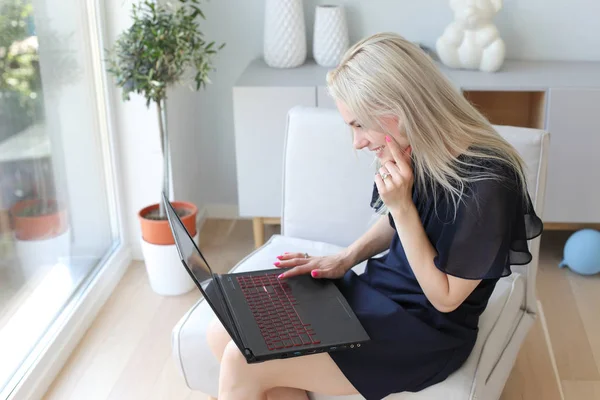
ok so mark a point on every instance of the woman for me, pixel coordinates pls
(456, 216)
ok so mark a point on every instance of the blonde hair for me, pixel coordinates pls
(385, 75)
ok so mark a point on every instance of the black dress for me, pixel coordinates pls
(413, 345)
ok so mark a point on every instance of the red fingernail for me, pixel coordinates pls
(279, 257)
(314, 273)
(280, 276)
(276, 264)
(387, 139)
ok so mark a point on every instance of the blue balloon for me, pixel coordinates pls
(582, 252)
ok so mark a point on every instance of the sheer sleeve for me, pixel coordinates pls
(489, 232)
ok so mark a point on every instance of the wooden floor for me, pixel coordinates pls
(126, 354)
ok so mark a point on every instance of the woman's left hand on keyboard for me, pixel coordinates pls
(331, 267)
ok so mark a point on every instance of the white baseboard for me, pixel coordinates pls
(224, 211)
(136, 253)
(58, 344)
(201, 218)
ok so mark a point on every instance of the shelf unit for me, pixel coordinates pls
(560, 97)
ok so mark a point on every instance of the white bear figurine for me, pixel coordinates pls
(472, 41)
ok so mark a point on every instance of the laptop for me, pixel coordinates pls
(268, 318)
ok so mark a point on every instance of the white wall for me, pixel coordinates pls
(137, 137)
(202, 123)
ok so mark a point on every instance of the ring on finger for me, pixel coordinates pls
(306, 255)
(384, 175)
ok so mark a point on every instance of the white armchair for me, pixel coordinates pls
(327, 189)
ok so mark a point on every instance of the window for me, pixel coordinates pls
(57, 220)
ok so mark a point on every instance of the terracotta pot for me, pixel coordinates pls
(38, 227)
(158, 231)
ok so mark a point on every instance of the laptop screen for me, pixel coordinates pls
(197, 266)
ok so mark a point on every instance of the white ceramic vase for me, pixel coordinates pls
(284, 34)
(331, 35)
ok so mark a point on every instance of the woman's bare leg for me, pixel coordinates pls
(218, 339)
(276, 379)
(316, 373)
(286, 393)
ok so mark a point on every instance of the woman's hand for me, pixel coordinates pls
(331, 267)
(396, 189)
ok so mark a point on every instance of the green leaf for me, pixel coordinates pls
(159, 46)
(197, 12)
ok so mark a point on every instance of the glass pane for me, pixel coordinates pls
(55, 220)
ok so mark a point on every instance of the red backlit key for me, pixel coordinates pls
(272, 304)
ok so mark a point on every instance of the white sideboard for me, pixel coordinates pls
(560, 97)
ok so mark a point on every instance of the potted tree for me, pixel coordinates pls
(163, 43)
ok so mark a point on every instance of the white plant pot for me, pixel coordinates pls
(34, 254)
(331, 38)
(166, 273)
(284, 34)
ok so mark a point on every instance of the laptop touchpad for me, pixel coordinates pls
(328, 309)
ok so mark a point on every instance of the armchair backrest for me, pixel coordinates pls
(533, 146)
(327, 185)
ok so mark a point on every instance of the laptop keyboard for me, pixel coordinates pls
(272, 304)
